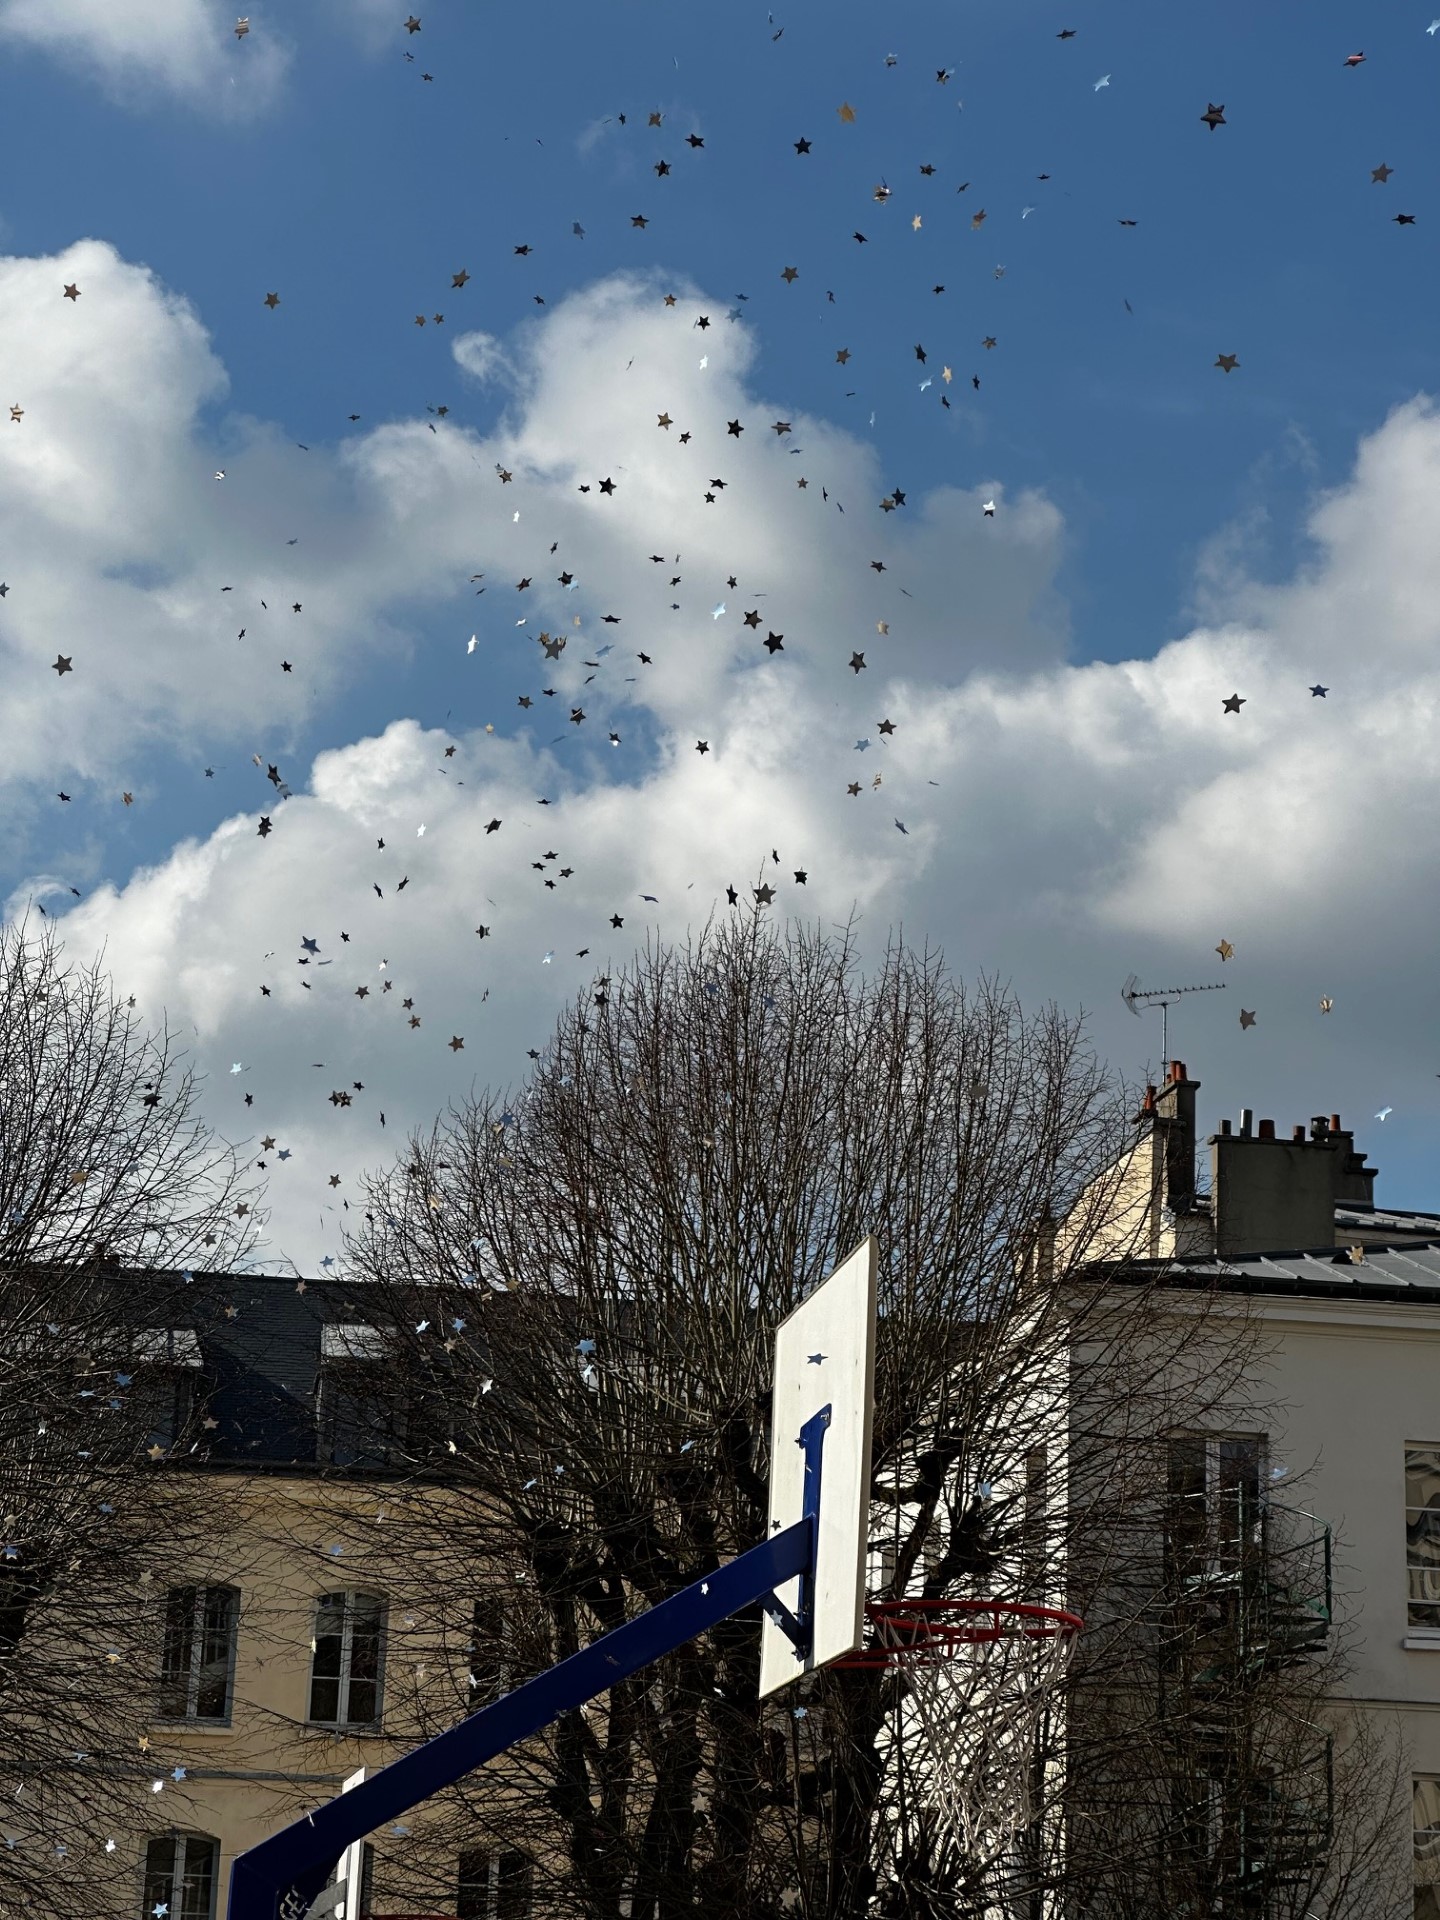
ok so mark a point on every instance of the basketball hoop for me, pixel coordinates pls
(980, 1675)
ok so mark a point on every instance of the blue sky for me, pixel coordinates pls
(1146, 497)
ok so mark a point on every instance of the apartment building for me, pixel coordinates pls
(1347, 1296)
(281, 1676)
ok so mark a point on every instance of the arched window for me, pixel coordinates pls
(345, 1671)
(181, 1872)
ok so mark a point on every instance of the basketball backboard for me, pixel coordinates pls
(825, 1359)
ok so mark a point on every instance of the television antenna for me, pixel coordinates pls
(1130, 993)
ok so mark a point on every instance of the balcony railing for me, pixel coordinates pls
(1250, 1849)
(1254, 1587)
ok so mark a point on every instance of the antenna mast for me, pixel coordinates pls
(1130, 993)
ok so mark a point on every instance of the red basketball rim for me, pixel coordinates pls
(923, 1632)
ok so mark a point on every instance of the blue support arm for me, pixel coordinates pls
(282, 1876)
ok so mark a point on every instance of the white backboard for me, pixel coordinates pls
(825, 1357)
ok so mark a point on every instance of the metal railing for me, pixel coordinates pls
(1263, 1576)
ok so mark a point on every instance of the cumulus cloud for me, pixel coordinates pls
(183, 49)
(1063, 823)
(165, 547)
(129, 555)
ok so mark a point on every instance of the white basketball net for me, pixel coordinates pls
(969, 1721)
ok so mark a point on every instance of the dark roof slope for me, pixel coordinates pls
(260, 1351)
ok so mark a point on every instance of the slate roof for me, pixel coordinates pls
(261, 1362)
(1407, 1271)
(1386, 1224)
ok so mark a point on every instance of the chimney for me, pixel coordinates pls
(1353, 1179)
(1042, 1254)
(1175, 1115)
(1271, 1195)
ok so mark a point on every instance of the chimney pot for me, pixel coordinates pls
(1318, 1127)
(1247, 1116)
(1225, 1128)
(1334, 1123)
(1267, 1129)
(1177, 1069)
(1297, 1134)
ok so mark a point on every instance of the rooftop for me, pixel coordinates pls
(1382, 1269)
(256, 1344)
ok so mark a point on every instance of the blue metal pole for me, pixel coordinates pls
(279, 1878)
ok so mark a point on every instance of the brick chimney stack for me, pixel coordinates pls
(1174, 1109)
(1270, 1195)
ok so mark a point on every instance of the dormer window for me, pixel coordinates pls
(355, 1425)
(166, 1386)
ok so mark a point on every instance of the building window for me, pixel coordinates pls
(491, 1666)
(354, 1397)
(1422, 1534)
(348, 1649)
(1427, 1849)
(1213, 1504)
(170, 1399)
(493, 1886)
(180, 1876)
(167, 1382)
(198, 1663)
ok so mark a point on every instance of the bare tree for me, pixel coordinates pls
(580, 1282)
(112, 1191)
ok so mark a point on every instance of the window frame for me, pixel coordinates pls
(504, 1890)
(196, 1665)
(1425, 1629)
(180, 1839)
(344, 1679)
(1215, 1545)
(1427, 1908)
(348, 1392)
(169, 1380)
(491, 1636)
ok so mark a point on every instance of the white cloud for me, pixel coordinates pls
(138, 564)
(122, 544)
(1063, 824)
(182, 48)
(482, 356)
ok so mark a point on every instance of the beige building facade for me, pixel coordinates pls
(285, 1669)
